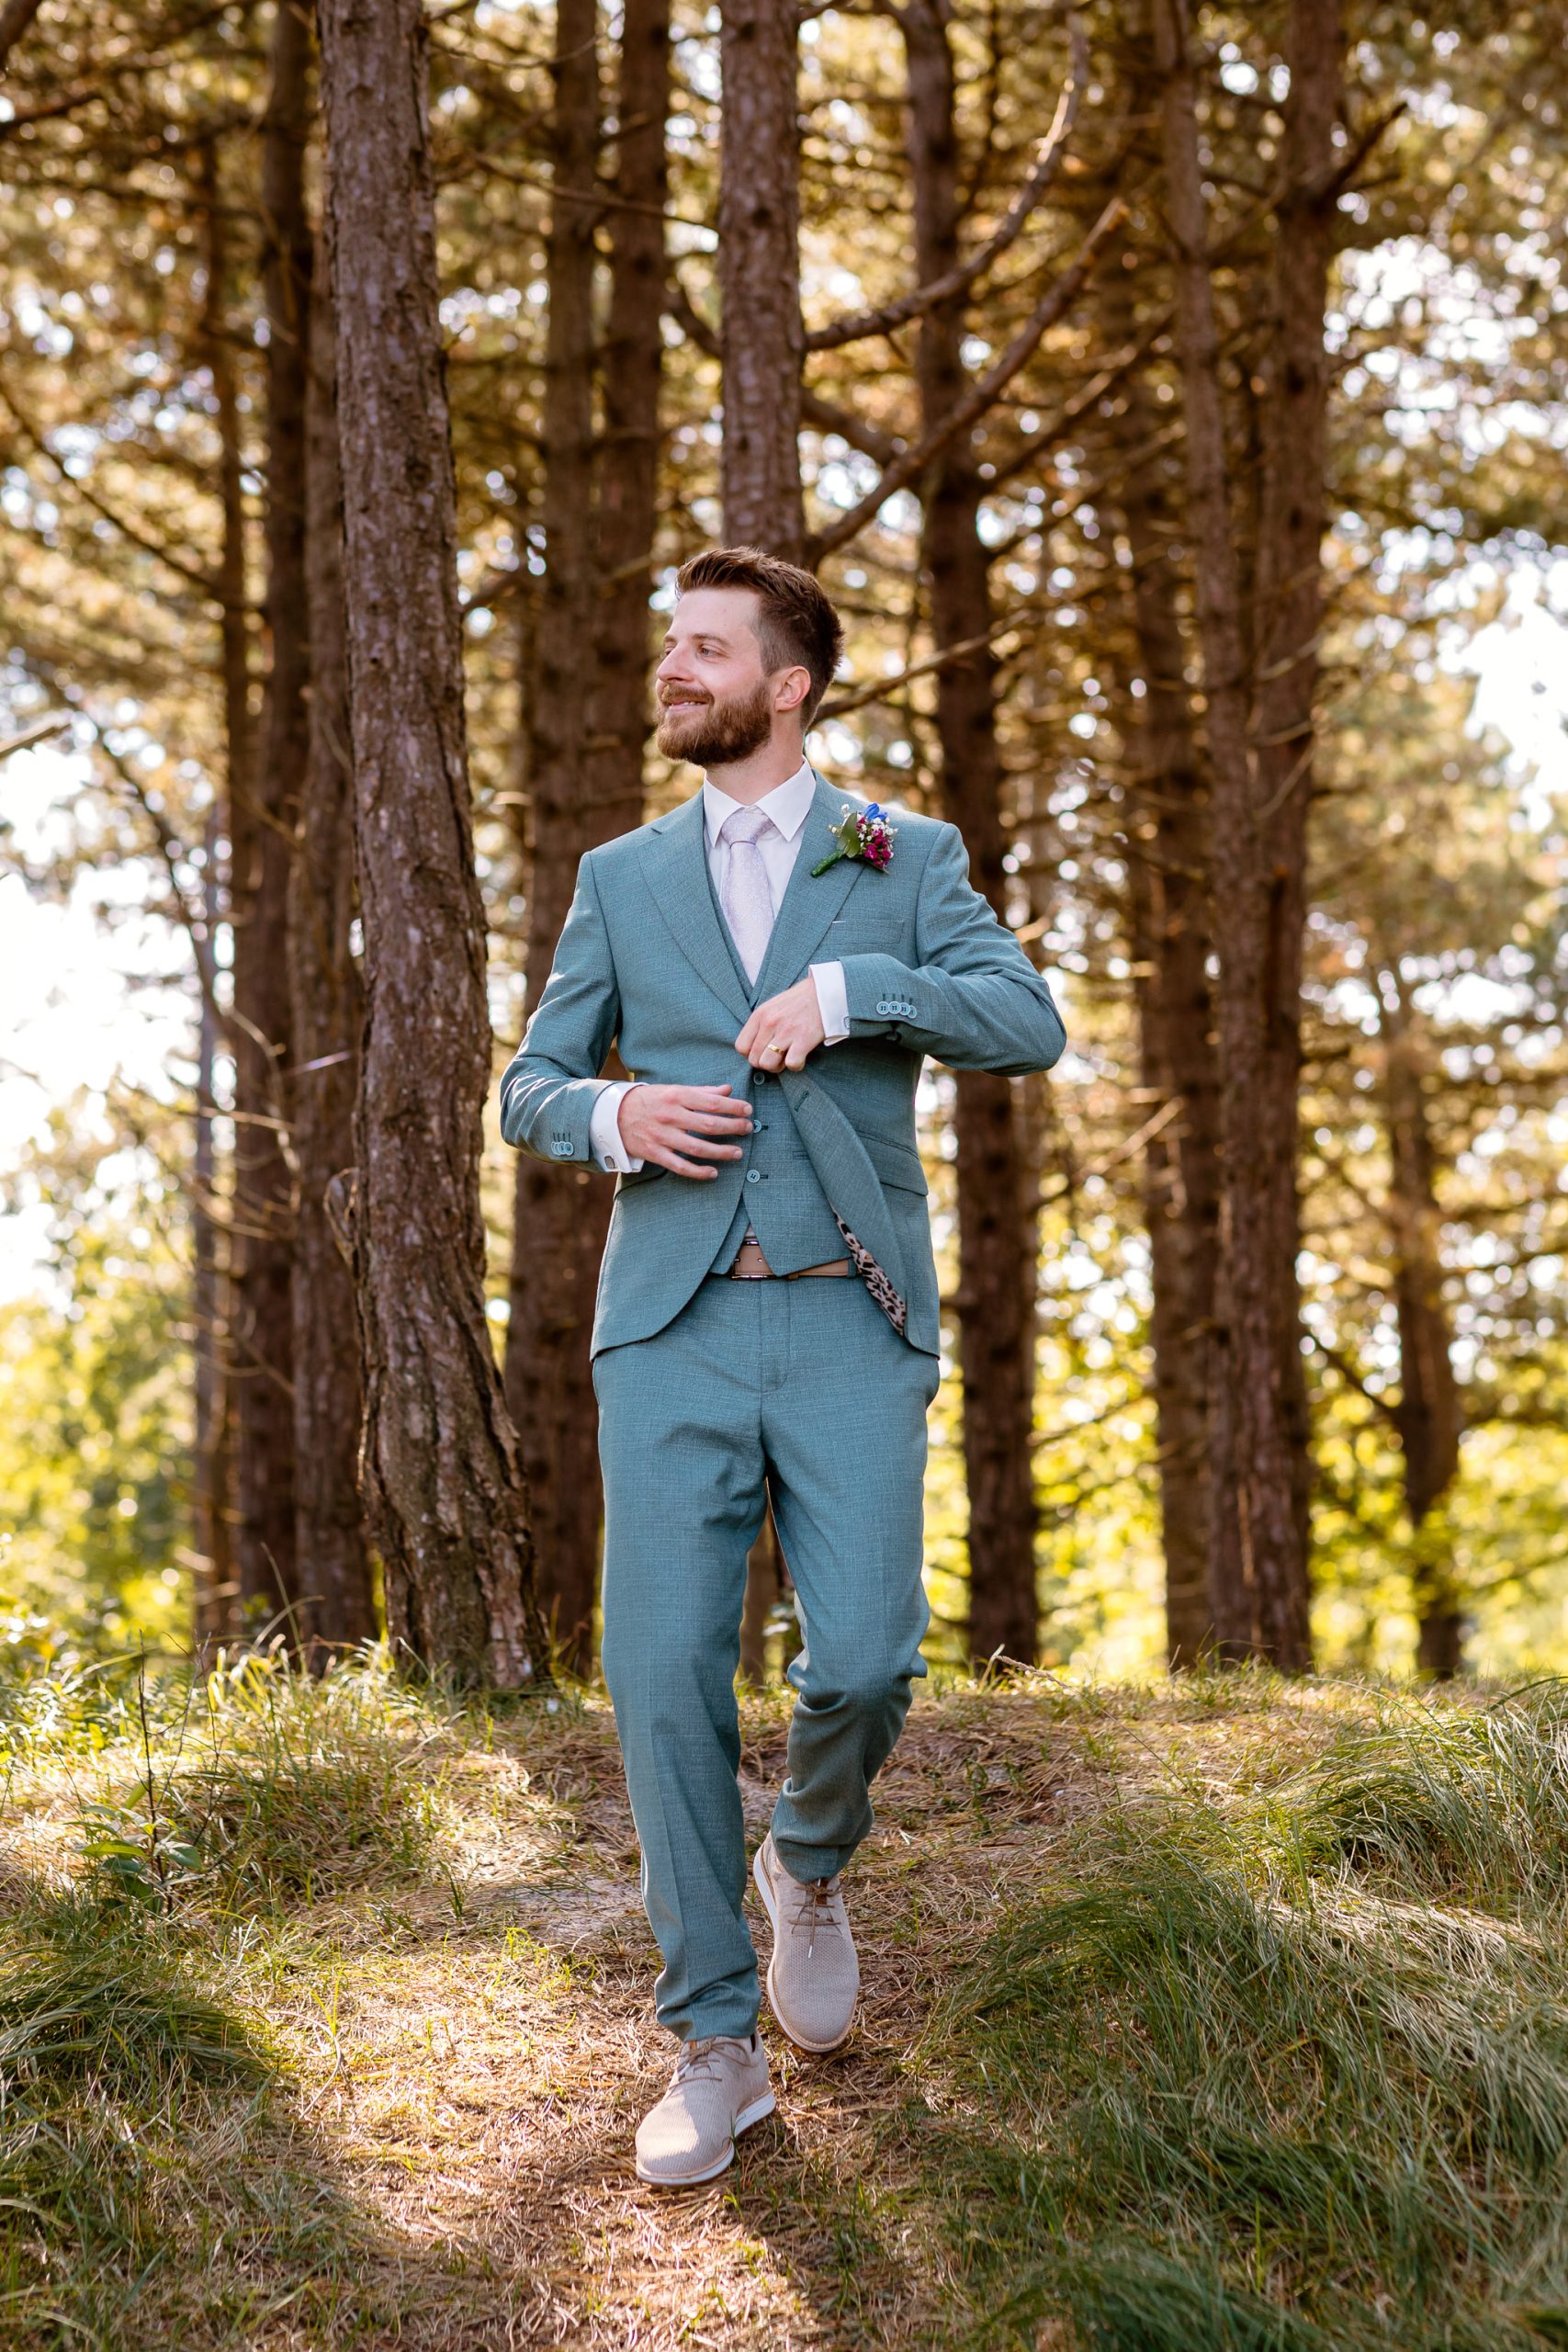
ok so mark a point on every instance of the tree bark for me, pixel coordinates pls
(558, 1213)
(628, 456)
(1258, 1590)
(264, 819)
(1292, 420)
(585, 759)
(216, 1590)
(1429, 1415)
(761, 334)
(995, 1223)
(337, 1604)
(761, 338)
(1170, 941)
(443, 1477)
(216, 1615)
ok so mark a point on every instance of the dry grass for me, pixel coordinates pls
(458, 2021)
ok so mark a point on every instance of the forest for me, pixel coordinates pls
(1171, 399)
(1172, 410)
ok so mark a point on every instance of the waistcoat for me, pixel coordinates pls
(781, 1195)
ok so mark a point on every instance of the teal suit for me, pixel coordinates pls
(715, 1395)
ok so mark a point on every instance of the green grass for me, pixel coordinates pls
(261, 1789)
(111, 2057)
(155, 2185)
(1292, 2075)
(1231, 2018)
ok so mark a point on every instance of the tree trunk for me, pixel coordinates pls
(1258, 1590)
(628, 456)
(762, 339)
(215, 1591)
(1429, 1415)
(585, 758)
(1292, 410)
(443, 1478)
(560, 1213)
(264, 819)
(761, 336)
(996, 1224)
(1170, 924)
(216, 1614)
(328, 1013)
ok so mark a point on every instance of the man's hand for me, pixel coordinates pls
(681, 1127)
(782, 1033)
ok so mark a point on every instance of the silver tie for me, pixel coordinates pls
(744, 894)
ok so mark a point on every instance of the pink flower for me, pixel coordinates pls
(863, 833)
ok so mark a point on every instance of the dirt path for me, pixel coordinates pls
(477, 2062)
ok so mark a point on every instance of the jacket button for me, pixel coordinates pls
(753, 1176)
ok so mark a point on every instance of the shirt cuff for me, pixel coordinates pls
(832, 1002)
(605, 1130)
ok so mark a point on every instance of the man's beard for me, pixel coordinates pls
(713, 734)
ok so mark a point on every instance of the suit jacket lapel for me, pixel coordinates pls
(674, 865)
(810, 902)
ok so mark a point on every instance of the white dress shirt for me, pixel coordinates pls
(788, 805)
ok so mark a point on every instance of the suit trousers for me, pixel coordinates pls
(802, 1389)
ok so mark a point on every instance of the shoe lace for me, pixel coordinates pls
(699, 2061)
(815, 1911)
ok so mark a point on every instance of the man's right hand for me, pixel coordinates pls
(683, 1128)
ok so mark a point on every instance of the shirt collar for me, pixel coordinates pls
(788, 804)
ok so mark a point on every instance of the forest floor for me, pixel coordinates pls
(1230, 2015)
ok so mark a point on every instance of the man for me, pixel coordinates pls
(774, 964)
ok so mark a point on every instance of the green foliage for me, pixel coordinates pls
(266, 1788)
(95, 1405)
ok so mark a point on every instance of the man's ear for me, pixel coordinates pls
(792, 689)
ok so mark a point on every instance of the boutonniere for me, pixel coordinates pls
(865, 833)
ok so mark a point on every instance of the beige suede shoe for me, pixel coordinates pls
(719, 2089)
(814, 1974)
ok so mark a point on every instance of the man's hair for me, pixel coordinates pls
(796, 622)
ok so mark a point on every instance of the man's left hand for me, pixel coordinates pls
(782, 1033)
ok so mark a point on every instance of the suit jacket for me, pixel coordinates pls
(645, 960)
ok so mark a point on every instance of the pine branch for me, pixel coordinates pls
(983, 396)
(858, 325)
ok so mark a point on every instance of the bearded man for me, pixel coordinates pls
(774, 962)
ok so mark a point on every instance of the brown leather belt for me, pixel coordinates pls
(751, 1266)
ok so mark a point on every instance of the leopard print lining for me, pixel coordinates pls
(875, 1281)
